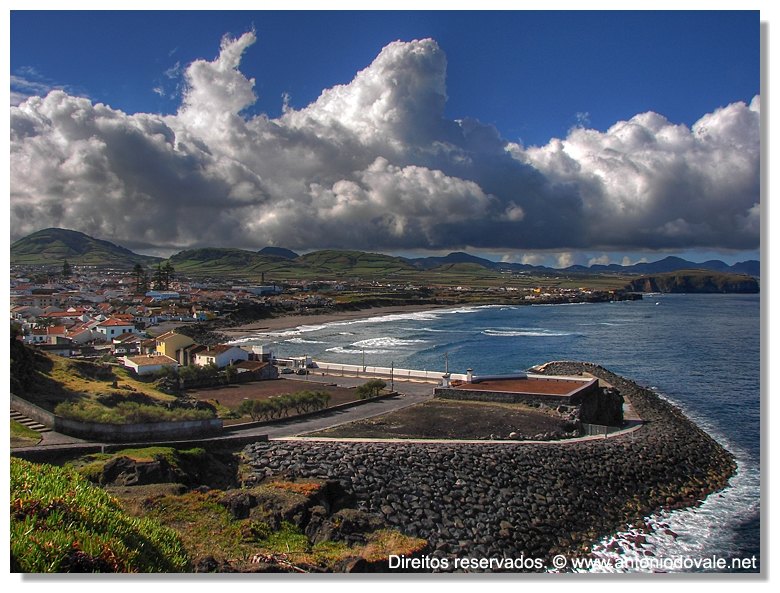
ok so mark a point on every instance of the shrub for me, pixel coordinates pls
(61, 523)
(276, 407)
(128, 413)
(370, 388)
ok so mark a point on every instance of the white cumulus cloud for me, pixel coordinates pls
(375, 164)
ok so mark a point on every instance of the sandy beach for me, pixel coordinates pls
(291, 321)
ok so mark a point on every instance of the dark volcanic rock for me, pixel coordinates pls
(512, 500)
(123, 471)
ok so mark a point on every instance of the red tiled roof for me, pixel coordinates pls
(129, 337)
(146, 360)
(251, 365)
(218, 349)
(60, 314)
(113, 322)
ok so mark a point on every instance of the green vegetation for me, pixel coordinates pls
(61, 523)
(354, 263)
(195, 461)
(370, 388)
(21, 436)
(128, 413)
(276, 407)
(91, 392)
(207, 528)
(163, 276)
(49, 247)
(214, 261)
(47, 379)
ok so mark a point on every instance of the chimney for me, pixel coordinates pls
(469, 375)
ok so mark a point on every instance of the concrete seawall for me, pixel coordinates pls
(487, 500)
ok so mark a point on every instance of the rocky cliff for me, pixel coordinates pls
(695, 281)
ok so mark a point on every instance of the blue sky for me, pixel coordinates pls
(531, 74)
(525, 77)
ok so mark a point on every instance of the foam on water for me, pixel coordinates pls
(697, 532)
(386, 343)
(303, 341)
(527, 332)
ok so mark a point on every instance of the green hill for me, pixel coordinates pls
(219, 261)
(51, 247)
(354, 263)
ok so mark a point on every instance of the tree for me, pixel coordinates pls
(370, 388)
(163, 276)
(169, 274)
(141, 279)
(159, 278)
(67, 271)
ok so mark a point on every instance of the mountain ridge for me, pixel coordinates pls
(54, 245)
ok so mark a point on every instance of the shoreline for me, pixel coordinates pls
(578, 495)
(287, 322)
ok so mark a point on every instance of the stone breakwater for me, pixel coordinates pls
(512, 500)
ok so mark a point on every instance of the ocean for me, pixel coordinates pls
(701, 352)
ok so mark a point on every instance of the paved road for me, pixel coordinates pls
(297, 427)
(410, 393)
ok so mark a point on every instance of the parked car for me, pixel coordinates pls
(286, 371)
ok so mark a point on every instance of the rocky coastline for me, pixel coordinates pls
(519, 500)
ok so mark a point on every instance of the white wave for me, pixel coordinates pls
(247, 340)
(445, 331)
(530, 333)
(694, 533)
(353, 351)
(386, 343)
(303, 341)
(702, 531)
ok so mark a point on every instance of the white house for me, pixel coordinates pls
(149, 363)
(221, 355)
(111, 328)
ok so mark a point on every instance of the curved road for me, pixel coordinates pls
(409, 393)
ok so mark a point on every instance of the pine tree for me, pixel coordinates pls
(169, 274)
(159, 278)
(141, 279)
(67, 272)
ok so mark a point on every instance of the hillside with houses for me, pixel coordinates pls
(101, 315)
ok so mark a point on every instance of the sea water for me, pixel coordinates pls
(701, 352)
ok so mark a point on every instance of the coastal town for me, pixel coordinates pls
(93, 313)
(341, 292)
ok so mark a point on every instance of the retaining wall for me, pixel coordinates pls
(117, 432)
(505, 397)
(353, 370)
